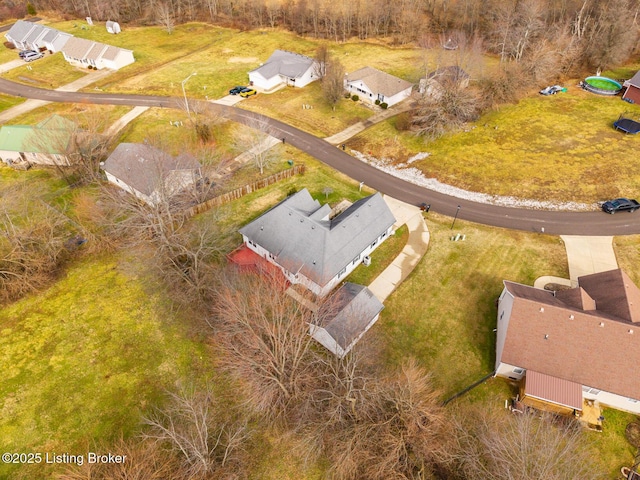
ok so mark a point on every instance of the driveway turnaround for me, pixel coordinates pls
(549, 222)
(392, 276)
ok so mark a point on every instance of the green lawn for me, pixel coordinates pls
(50, 72)
(445, 312)
(7, 101)
(82, 360)
(85, 115)
(381, 258)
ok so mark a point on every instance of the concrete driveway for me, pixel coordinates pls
(587, 255)
(228, 100)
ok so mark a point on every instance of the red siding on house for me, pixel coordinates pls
(632, 93)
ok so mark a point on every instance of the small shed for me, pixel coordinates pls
(632, 92)
(113, 27)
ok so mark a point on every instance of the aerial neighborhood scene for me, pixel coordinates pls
(305, 240)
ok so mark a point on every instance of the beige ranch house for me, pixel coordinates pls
(372, 85)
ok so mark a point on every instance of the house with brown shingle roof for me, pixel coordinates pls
(632, 92)
(371, 84)
(575, 345)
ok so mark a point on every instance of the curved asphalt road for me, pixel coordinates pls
(557, 223)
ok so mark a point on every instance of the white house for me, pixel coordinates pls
(149, 173)
(312, 249)
(371, 85)
(284, 68)
(575, 345)
(84, 53)
(46, 143)
(354, 309)
(28, 35)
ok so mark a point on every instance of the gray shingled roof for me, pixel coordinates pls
(20, 30)
(379, 82)
(35, 33)
(635, 80)
(288, 64)
(355, 307)
(143, 167)
(302, 238)
(600, 348)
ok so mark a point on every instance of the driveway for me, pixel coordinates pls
(587, 255)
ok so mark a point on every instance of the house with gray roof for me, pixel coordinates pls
(299, 236)
(84, 53)
(632, 92)
(350, 312)
(284, 68)
(371, 84)
(54, 40)
(572, 346)
(149, 173)
(19, 32)
(46, 143)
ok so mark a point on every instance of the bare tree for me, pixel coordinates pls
(32, 243)
(264, 336)
(333, 81)
(201, 431)
(500, 446)
(257, 141)
(164, 16)
(321, 59)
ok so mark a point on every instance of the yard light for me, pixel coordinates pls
(186, 102)
(456, 217)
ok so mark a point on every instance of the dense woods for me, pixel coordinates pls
(588, 33)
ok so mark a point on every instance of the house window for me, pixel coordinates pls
(342, 272)
(383, 235)
(374, 243)
(502, 315)
(272, 256)
(518, 371)
(252, 243)
(355, 260)
(632, 400)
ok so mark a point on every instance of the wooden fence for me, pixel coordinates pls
(245, 190)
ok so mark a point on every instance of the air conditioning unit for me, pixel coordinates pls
(366, 260)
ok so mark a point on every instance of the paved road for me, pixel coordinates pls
(557, 223)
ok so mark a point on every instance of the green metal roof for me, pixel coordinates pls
(39, 139)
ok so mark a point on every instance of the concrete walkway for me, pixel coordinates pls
(29, 105)
(414, 250)
(125, 119)
(355, 129)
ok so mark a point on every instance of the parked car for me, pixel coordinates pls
(30, 57)
(552, 90)
(620, 205)
(25, 52)
(236, 90)
(247, 92)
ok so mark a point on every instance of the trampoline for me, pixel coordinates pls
(601, 85)
(627, 125)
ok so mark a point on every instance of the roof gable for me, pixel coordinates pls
(613, 293)
(20, 30)
(635, 80)
(379, 82)
(303, 239)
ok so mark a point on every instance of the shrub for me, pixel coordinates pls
(292, 191)
(355, 98)
(377, 102)
(347, 95)
(9, 45)
(384, 105)
(31, 10)
(403, 122)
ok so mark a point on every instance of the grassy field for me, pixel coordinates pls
(444, 314)
(82, 360)
(561, 148)
(7, 101)
(50, 72)
(82, 114)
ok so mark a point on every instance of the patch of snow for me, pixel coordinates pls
(415, 176)
(416, 157)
